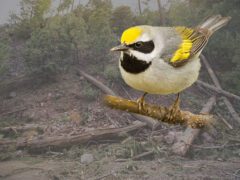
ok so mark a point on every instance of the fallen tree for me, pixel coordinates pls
(60, 142)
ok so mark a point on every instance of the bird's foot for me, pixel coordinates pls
(141, 102)
(174, 110)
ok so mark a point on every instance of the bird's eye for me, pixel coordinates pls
(138, 44)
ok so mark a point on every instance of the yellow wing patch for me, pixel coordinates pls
(185, 47)
(130, 35)
(193, 41)
(183, 52)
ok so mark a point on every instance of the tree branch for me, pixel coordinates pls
(160, 113)
(218, 90)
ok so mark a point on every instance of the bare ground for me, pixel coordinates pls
(166, 168)
(71, 106)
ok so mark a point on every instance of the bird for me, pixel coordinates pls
(164, 60)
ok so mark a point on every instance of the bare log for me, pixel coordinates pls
(59, 142)
(149, 121)
(20, 129)
(218, 90)
(217, 84)
(182, 145)
(158, 112)
(12, 112)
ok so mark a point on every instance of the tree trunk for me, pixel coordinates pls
(73, 1)
(161, 12)
(58, 11)
(139, 7)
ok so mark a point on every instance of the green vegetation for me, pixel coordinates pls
(55, 40)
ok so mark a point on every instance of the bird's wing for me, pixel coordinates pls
(192, 41)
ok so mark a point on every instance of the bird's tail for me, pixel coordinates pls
(213, 23)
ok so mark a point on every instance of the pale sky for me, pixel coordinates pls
(7, 6)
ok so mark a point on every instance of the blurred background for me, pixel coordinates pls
(84, 31)
(44, 44)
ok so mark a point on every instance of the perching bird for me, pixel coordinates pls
(164, 60)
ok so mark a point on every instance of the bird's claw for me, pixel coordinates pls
(174, 109)
(141, 102)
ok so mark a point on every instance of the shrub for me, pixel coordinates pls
(57, 46)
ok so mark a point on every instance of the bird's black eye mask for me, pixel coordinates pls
(144, 47)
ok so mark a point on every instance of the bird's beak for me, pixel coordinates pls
(121, 47)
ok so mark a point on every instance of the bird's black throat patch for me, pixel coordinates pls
(133, 65)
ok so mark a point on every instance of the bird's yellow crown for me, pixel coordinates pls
(130, 35)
